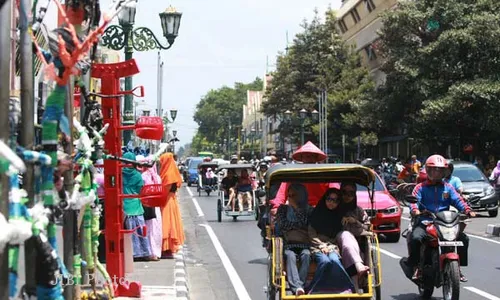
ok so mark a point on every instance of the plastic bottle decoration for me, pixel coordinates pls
(67, 56)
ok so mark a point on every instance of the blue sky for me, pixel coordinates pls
(220, 42)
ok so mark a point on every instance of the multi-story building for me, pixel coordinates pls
(358, 22)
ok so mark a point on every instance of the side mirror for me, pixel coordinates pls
(411, 199)
(261, 193)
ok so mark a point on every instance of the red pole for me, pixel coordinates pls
(110, 75)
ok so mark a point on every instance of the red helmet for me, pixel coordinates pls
(435, 167)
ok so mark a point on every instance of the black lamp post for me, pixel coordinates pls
(124, 36)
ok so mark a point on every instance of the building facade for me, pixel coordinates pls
(358, 22)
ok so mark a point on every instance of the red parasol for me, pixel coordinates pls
(309, 148)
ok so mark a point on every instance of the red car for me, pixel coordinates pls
(386, 217)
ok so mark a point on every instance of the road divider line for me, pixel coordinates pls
(198, 208)
(189, 191)
(481, 293)
(238, 285)
(390, 254)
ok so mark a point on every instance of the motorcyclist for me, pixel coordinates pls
(454, 180)
(434, 195)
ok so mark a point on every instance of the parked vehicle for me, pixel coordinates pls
(478, 191)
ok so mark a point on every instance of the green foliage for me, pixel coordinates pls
(319, 60)
(442, 60)
(219, 108)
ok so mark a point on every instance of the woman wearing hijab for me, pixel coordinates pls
(351, 254)
(495, 177)
(152, 215)
(291, 221)
(132, 185)
(173, 231)
(324, 226)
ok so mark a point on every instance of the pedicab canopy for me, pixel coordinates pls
(206, 165)
(309, 173)
(311, 149)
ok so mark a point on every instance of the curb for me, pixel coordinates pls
(180, 278)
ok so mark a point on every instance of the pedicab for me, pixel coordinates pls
(207, 184)
(277, 286)
(245, 202)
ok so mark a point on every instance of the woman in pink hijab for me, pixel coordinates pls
(154, 225)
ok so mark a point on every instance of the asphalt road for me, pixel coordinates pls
(235, 263)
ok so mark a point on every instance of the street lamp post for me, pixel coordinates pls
(124, 36)
(302, 116)
(252, 135)
(174, 133)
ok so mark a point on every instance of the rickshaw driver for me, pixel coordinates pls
(228, 185)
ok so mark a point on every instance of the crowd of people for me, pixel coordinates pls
(165, 234)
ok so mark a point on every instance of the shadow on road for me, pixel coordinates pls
(411, 296)
(258, 261)
(228, 220)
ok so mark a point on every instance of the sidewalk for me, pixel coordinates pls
(164, 279)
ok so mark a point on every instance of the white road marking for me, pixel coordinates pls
(481, 293)
(238, 285)
(390, 254)
(197, 206)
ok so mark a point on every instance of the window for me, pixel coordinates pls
(355, 15)
(342, 26)
(370, 5)
(370, 53)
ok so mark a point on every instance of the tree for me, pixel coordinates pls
(319, 60)
(441, 60)
(219, 108)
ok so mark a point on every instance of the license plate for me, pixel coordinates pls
(451, 244)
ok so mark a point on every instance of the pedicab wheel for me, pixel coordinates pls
(378, 293)
(235, 218)
(219, 210)
(276, 256)
(208, 193)
(256, 211)
(189, 183)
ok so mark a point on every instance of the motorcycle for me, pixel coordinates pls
(439, 259)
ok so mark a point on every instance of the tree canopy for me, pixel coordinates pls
(319, 60)
(219, 108)
(442, 62)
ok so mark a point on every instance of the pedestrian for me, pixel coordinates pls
(173, 231)
(152, 215)
(134, 212)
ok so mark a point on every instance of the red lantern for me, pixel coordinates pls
(149, 128)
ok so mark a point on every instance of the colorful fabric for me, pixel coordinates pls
(132, 185)
(168, 170)
(140, 243)
(155, 233)
(173, 229)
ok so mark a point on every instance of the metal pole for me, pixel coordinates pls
(5, 18)
(128, 104)
(301, 133)
(158, 86)
(27, 137)
(70, 230)
(229, 138)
